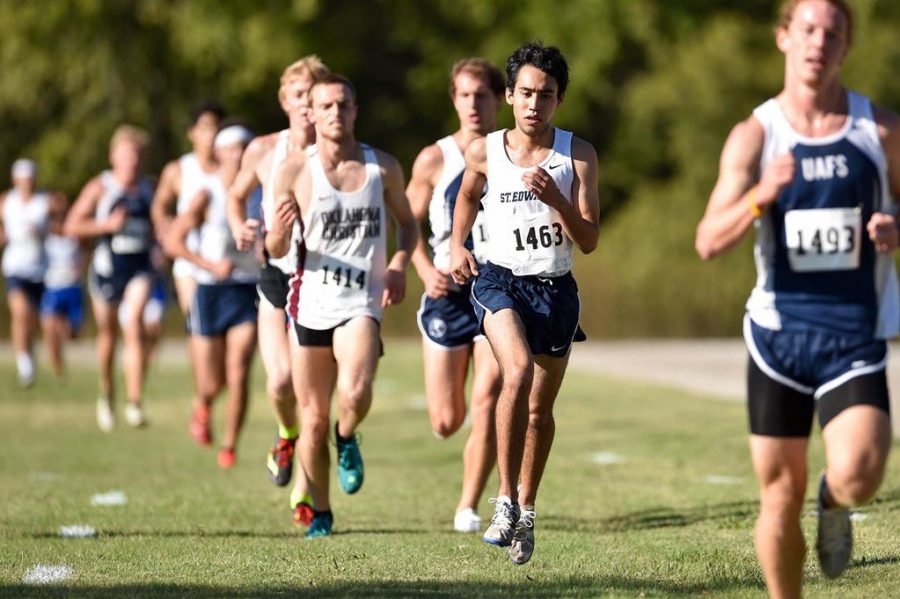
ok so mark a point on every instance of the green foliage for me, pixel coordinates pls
(655, 87)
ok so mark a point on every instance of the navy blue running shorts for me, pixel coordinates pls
(33, 290)
(217, 308)
(548, 306)
(449, 321)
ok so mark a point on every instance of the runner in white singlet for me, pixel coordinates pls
(450, 336)
(342, 192)
(24, 214)
(223, 311)
(541, 201)
(261, 160)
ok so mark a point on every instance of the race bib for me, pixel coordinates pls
(134, 238)
(480, 238)
(823, 239)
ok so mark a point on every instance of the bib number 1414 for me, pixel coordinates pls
(544, 236)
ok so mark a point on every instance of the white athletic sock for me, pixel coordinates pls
(25, 365)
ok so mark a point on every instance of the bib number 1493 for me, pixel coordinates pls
(823, 239)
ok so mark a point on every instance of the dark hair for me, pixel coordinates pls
(478, 67)
(207, 107)
(546, 58)
(332, 79)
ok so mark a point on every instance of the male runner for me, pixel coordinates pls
(813, 170)
(260, 161)
(223, 311)
(179, 183)
(24, 215)
(541, 198)
(341, 191)
(449, 328)
(62, 305)
(113, 208)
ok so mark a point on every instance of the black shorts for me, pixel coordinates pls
(307, 337)
(273, 285)
(777, 410)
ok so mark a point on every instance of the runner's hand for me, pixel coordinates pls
(221, 270)
(541, 184)
(462, 265)
(437, 283)
(286, 210)
(245, 237)
(882, 229)
(394, 287)
(115, 222)
(778, 174)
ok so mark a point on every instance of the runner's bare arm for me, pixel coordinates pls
(278, 232)
(175, 242)
(462, 263)
(407, 229)
(81, 222)
(736, 202)
(162, 208)
(425, 173)
(882, 227)
(246, 181)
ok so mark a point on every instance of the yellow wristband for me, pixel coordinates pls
(754, 207)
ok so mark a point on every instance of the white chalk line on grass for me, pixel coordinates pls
(606, 458)
(77, 531)
(718, 479)
(857, 516)
(47, 574)
(109, 498)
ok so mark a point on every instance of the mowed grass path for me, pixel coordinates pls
(627, 507)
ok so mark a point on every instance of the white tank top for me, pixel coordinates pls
(287, 263)
(63, 262)
(216, 243)
(193, 180)
(344, 249)
(525, 234)
(443, 203)
(25, 224)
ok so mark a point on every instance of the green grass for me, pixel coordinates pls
(650, 526)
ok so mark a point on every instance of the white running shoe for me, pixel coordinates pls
(834, 539)
(522, 545)
(106, 419)
(134, 415)
(503, 523)
(466, 521)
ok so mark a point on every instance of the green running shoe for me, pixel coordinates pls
(350, 463)
(321, 525)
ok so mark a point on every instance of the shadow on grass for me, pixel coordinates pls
(532, 587)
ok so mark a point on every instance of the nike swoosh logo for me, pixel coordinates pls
(553, 166)
(558, 348)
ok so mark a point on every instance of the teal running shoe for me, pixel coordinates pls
(321, 525)
(350, 463)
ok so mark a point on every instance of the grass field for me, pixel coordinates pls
(648, 493)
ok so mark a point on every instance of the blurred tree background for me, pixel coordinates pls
(655, 86)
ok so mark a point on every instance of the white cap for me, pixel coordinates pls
(232, 135)
(23, 168)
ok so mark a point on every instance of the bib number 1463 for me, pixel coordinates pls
(544, 236)
(823, 239)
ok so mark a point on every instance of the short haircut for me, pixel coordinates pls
(207, 107)
(129, 134)
(546, 58)
(335, 79)
(309, 67)
(786, 14)
(478, 67)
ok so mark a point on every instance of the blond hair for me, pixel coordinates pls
(786, 14)
(309, 67)
(130, 134)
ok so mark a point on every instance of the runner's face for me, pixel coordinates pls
(814, 42)
(203, 133)
(333, 111)
(534, 100)
(24, 185)
(295, 100)
(126, 157)
(230, 156)
(475, 103)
